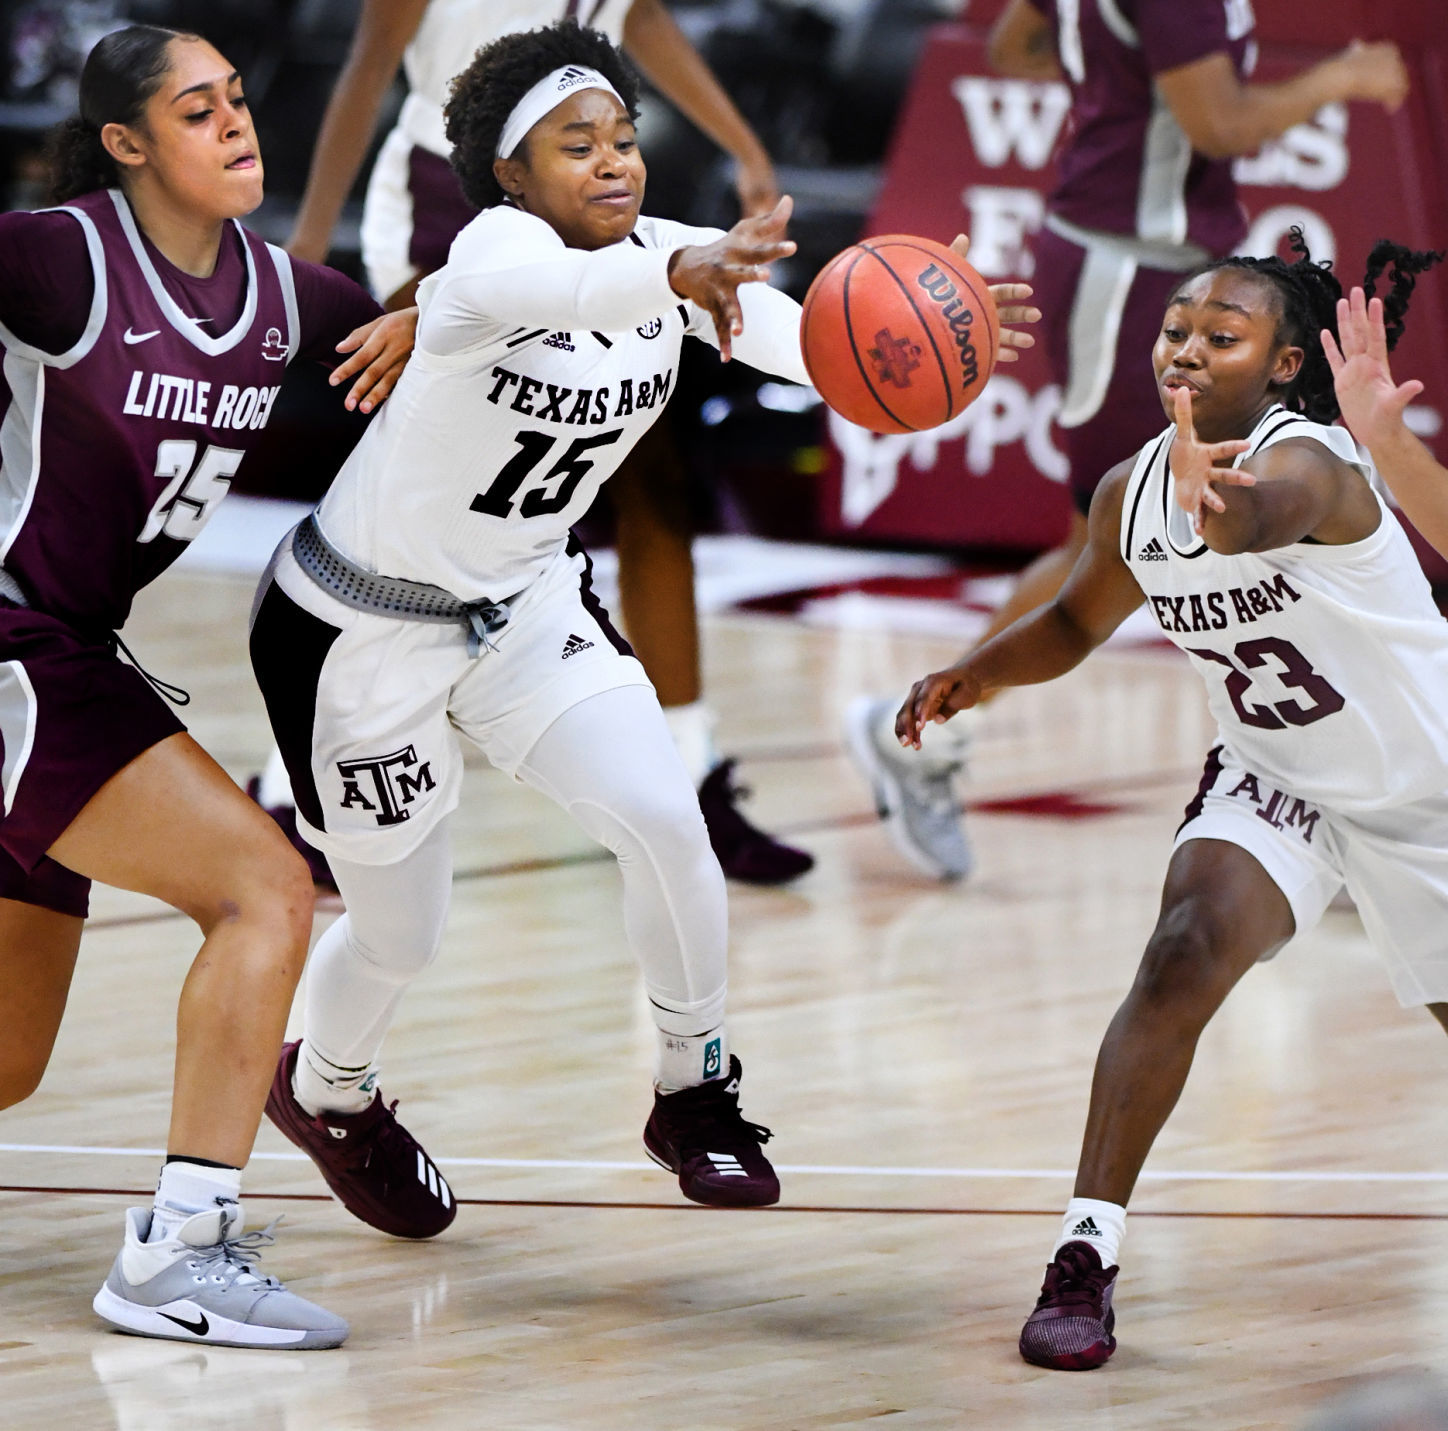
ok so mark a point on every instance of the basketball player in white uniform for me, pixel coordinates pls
(438, 594)
(1162, 100)
(415, 208)
(1298, 599)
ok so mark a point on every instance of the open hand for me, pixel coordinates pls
(1371, 403)
(1009, 299)
(936, 697)
(1193, 465)
(380, 350)
(709, 275)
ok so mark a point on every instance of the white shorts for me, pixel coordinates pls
(1393, 862)
(367, 709)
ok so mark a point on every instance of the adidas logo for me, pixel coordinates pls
(574, 644)
(1152, 551)
(560, 340)
(433, 1180)
(1086, 1228)
(727, 1165)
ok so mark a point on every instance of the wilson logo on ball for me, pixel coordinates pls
(894, 358)
(861, 303)
(960, 318)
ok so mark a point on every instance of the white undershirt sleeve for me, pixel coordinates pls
(516, 272)
(770, 340)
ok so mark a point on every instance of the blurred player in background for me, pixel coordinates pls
(1299, 600)
(1161, 103)
(145, 334)
(414, 210)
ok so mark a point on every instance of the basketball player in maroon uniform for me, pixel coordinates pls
(1161, 102)
(144, 334)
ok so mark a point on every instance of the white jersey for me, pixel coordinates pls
(1326, 666)
(452, 32)
(537, 368)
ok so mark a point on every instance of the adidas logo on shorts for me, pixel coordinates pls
(574, 644)
(1086, 1228)
(1152, 551)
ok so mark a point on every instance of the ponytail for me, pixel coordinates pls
(121, 74)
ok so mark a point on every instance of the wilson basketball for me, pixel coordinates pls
(899, 334)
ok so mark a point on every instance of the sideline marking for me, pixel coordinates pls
(842, 1170)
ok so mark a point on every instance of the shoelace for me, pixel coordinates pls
(717, 1119)
(1072, 1278)
(230, 1259)
(385, 1134)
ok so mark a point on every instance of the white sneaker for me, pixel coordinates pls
(914, 790)
(199, 1287)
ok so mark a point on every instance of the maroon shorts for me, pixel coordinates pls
(1129, 412)
(72, 714)
(439, 210)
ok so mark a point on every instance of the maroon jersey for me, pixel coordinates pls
(115, 449)
(1127, 167)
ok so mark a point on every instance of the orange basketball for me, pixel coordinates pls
(899, 333)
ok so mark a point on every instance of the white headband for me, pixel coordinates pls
(547, 95)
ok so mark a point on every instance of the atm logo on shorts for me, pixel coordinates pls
(386, 785)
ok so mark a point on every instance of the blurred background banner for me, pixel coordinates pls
(973, 152)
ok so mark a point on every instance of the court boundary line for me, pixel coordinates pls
(1305, 1175)
(605, 1205)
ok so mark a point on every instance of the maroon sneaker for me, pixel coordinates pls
(745, 852)
(286, 817)
(376, 1168)
(700, 1134)
(1070, 1330)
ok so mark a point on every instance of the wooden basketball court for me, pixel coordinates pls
(923, 1054)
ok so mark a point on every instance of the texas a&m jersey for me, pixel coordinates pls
(537, 368)
(1326, 666)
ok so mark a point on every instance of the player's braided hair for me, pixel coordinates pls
(485, 94)
(1308, 292)
(121, 73)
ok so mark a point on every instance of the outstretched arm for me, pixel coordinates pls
(678, 71)
(384, 28)
(1098, 596)
(1222, 116)
(1372, 406)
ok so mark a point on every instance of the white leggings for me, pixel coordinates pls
(610, 763)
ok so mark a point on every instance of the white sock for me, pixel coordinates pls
(186, 1188)
(687, 1060)
(1102, 1224)
(276, 785)
(322, 1086)
(692, 727)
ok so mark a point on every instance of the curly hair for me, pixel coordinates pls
(486, 93)
(122, 72)
(1307, 294)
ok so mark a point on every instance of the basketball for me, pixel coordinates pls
(899, 333)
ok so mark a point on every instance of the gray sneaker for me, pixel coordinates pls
(199, 1287)
(914, 792)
